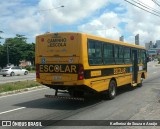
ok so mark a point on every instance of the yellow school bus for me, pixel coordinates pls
(81, 63)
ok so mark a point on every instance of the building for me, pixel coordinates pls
(153, 49)
(121, 38)
(24, 63)
(157, 43)
(137, 39)
(153, 52)
(149, 45)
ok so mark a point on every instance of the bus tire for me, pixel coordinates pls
(141, 83)
(112, 90)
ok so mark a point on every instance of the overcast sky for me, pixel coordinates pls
(107, 18)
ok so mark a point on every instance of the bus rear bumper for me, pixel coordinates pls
(82, 88)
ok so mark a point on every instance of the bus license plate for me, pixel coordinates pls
(58, 83)
(57, 78)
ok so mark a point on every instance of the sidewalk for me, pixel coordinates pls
(153, 64)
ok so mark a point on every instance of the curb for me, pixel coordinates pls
(21, 90)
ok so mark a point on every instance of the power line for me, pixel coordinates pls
(146, 6)
(156, 2)
(142, 8)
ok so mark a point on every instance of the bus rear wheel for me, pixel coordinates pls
(112, 90)
(141, 83)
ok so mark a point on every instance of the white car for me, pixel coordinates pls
(15, 70)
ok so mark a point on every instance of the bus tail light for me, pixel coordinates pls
(80, 72)
(37, 71)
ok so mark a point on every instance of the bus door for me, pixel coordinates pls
(134, 65)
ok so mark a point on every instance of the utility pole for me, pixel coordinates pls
(6, 46)
(6, 41)
(7, 55)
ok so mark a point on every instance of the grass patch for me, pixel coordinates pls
(18, 85)
(32, 71)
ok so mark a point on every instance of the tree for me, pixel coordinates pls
(18, 49)
(29, 53)
(2, 63)
(0, 36)
(3, 57)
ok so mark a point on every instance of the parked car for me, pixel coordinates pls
(15, 70)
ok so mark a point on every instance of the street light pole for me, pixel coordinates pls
(50, 12)
(109, 29)
(121, 38)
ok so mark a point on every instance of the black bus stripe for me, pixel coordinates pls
(105, 72)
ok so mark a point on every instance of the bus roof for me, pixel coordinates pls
(99, 38)
(114, 41)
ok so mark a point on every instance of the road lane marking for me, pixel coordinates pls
(12, 110)
(23, 92)
(153, 73)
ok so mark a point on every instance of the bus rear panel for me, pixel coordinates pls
(58, 57)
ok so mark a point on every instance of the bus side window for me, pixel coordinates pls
(108, 55)
(118, 54)
(95, 52)
(91, 50)
(127, 55)
(121, 55)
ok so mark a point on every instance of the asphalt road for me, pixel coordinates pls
(30, 76)
(126, 106)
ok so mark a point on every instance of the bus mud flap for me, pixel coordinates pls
(64, 97)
